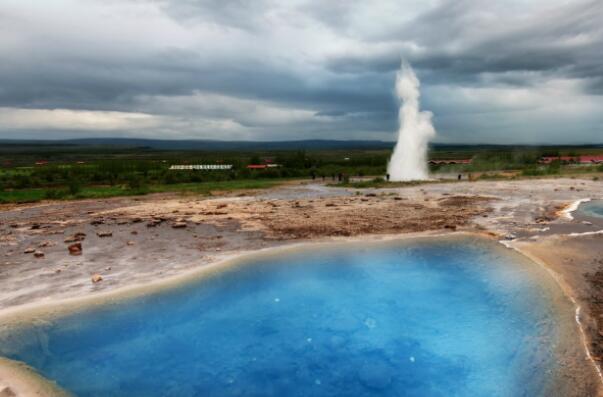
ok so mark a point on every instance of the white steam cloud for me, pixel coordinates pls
(409, 160)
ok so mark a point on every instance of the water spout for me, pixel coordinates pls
(409, 160)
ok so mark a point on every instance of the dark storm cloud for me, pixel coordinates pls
(459, 44)
(112, 84)
(312, 67)
(240, 14)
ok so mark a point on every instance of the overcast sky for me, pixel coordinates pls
(514, 71)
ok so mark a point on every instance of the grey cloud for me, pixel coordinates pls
(347, 86)
(459, 45)
(239, 14)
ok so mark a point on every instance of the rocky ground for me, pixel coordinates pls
(56, 250)
(59, 250)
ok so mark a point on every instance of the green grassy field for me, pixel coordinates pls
(91, 192)
(77, 172)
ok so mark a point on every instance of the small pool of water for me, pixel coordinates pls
(592, 208)
(443, 318)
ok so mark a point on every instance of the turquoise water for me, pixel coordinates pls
(592, 208)
(425, 319)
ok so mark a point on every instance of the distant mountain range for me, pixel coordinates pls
(214, 145)
(158, 144)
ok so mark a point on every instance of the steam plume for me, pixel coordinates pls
(409, 160)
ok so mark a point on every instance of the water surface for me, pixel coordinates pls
(592, 208)
(444, 318)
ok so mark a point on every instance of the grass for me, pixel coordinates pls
(95, 192)
(379, 183)
(594, 173)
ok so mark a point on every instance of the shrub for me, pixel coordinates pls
(54, 194)
(74, 186)
(135, 182)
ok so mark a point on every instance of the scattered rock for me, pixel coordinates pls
(38, 254)
(79, 236)
(154, 222)
(220, 206)
(29, 250)
(179, 225)
(75, 249)
(130, 242)
(104, 234)
(134, 232)
(35, 226)
(97, 222)
(451, 227)
(96, 278)
(45, 244)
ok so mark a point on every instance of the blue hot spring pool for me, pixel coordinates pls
(592, 208)
(425, 318)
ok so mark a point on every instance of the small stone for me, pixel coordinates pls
(45, 244)
(130, 242)
(108, 268)
(75, 249)
(96, 278)
(104, 234)
(38, 254)
(179, 225)
(79, 236)
(153, 223)
(29, 250)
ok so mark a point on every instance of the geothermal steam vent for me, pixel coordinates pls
(409, 160)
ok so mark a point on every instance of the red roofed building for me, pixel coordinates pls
(257, 166)
(591, 159)
(588, 159)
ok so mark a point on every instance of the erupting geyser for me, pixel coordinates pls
(409, 161)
